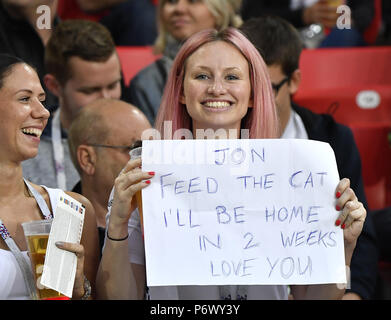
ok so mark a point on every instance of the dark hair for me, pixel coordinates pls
(7, 62)
(277, 41)
(85, 39)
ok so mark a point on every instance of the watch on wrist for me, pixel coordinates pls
(87, 289)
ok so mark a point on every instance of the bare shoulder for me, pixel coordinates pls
(41, 191)
(80, 198)
(74, 195)
(90, 211)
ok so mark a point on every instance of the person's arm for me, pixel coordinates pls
(91, 6)
(351, 220)
(321, 12)
(117, 278)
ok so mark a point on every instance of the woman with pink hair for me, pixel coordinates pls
(260, 115)
(218, 84)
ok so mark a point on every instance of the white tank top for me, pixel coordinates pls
(12, 285)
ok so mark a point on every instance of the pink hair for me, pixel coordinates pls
(261, 118)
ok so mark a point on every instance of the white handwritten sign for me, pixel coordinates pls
(238, 212)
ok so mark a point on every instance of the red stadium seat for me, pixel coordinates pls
(133, 59)
(330, 68)
(337, 80)
(349, 105)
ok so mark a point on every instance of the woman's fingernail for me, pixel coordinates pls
(151, 173)
(343, 226)
(59, 244)
(338, 222)
(338, 194)
(338, 208)
(148, 181)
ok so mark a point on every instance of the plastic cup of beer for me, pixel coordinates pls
(37, 235)
(135, 154)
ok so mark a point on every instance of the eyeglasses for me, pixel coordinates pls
(136, 144)
(277, 87)
(124, 148)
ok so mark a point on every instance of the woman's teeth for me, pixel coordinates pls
(217, 104)
(32, 131)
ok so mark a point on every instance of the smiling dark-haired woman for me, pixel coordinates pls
(23, 118)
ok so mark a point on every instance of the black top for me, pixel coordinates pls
(18, 38)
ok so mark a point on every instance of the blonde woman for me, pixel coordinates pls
(177, 20)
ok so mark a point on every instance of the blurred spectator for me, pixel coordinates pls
(82, 66)
(21, 35)
(177, 20)
(131, 22)
(303, 13)
(100, 139)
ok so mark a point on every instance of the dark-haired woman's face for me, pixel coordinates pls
(23, 117)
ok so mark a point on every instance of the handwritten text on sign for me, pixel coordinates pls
(224, 212)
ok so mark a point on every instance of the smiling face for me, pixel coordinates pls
(23, 117)
(184, 18)
(217, 87)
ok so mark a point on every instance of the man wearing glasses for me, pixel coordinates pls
(100, 138)
(280, 46)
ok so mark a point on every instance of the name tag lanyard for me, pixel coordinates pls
(20, 258)
(58, 151)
